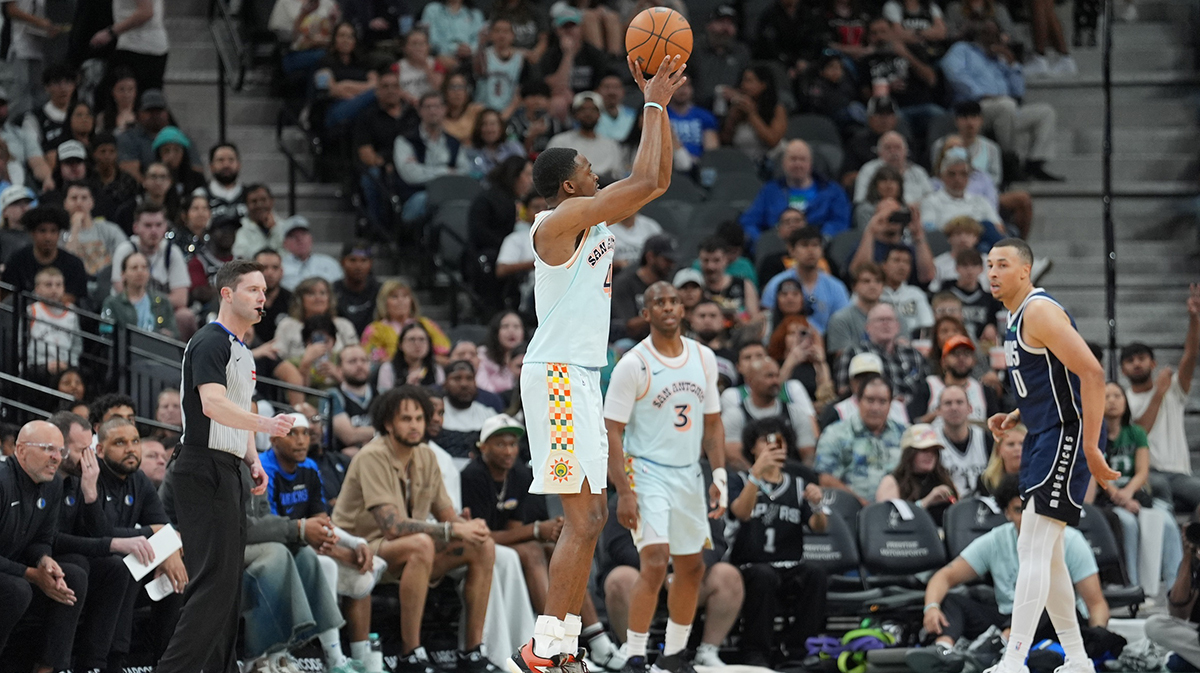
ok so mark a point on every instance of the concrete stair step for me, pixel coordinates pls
(1156, 210)
(1136, 57)
(1126, 249)
(1127, 167)
(1129, 140)
(1148, 31)
(1132, 188)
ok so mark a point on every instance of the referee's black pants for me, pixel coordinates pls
(209, 506)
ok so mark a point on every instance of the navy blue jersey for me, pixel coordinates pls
(297, 495)
(1046, 392)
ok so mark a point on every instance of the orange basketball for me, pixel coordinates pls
(656, 33)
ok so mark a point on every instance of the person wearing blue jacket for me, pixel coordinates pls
(823, 202)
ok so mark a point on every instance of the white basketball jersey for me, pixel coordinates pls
(574, 301)
(965, 468)
(974, 396)
(667, 424)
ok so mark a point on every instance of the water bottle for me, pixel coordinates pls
(374, 662)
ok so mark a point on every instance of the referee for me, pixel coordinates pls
(218, 383)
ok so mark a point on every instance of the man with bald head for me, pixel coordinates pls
(892, 149)
(903, 365)
(823, 203)
(33, 585)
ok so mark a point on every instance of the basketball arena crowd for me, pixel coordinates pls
(842, 168)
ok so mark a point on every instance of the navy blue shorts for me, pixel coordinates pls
(1054, 473)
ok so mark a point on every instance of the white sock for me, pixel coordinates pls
(676, 638)
(359, 650)
(1035, 547)
(331, 644)
(573, 626)
(548, 635)
(599, 644)
(635, 643)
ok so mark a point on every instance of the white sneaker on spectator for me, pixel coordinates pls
(1064, 67)
(354, 584)
(1130, 13)
(612, 660)
(259, 665)
(1040, 266)
(707, 654)
(1037, 66)
(284, 663)
(1076, 667)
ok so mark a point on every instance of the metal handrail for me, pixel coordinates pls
(232, 59)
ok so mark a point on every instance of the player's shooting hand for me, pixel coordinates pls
(661, 87)
(627, 510)
(1000, 424)
(1098, 466)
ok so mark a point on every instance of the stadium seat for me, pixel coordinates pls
(682, 188)
(937, 242)
(663, 211)
(827, 159)
(449, 229)
(1094, 526)
(839, 250)
(844, 505)
(969, 519)
(940, 127)
(836, 552)
(726, 160)
(814, 128)
(476, 334)
(768, 244)
(897, 540)
(450, 188)
(735, 189)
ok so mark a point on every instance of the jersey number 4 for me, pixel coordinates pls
(608, 283)
(683, 417)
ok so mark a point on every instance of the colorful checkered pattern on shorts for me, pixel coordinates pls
(562, 426)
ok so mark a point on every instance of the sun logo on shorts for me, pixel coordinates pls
(560, 470)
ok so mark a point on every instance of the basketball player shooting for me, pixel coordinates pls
(560, 378)
(1059, 388)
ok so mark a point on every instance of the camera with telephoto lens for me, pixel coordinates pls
(901, 216)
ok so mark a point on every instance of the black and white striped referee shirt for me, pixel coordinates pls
(215, 355)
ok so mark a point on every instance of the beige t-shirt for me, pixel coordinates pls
(1168, 440)
(377, 477)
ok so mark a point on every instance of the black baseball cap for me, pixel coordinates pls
(661, 245)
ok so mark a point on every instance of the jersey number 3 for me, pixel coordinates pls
(683, 418)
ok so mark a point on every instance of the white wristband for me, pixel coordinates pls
(654, 105)
(721, 479)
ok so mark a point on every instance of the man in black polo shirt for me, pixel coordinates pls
(218, 383)
(349, 403)
(45, 225)
(374, 138)
(32, 583)
(358, 290)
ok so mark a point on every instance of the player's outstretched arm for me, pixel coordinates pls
(1048, 325)
(625, 197)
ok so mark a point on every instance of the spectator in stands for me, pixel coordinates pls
(47, 591)
(23, 147)
(846, 28)
(501, 69)
(786, 33)
(46, 225)
(225, 191)
(350, 401)
(616, 118)
(773, 258)
(392, 487)
(1176, 630)
(80, 127)
(658, 261)
(514, 262)
(829, 91)
(505, 333)
(909, 301)
(848, 325)
(210, 257)
(737, 297)
(904, 366)
(380, 23)
(119, 111)
(966, 448)
(800, 352)
(316, 364)
(358, 290)
(312, 297)
(396, 306)
(770, 550)
(70, 381)
(899, 57)
(135, 147)
(137, 304)
(885, 230)
(603, 153)
(48, 123)
(489, 145)
(1158, 406)
(140, 37)
(492, 216)
(893, 153)
(426, 154)
(718, 59)
(299, 260)
(529, 26)
(632, 234)
(980, 309)
(454, 30)
(168, 411)
(571, 65)
(93, 240)
(960, 15)
(54, 341)
(168, 269)
(963, 233)
(824, 203)
(695, 126)
(951, 615)
(462, 112)
(261, 224)
(157, 189)
(920, 477)
(1129, 499)
(824, 295)
(15, 201)
(343, 75)
(765, 396)
(985, 70)
(865, 447)
(373, 136)
(1015, 204)
(985, 153)
(420, 72)
(413, 362)
(465, 410)
(956, 356)
(170, 147)
(154, 461)
(72, 167)
(307, 28)
(863, 143)
(953, 200)
(756, 121)
(863, 367)
(532, 123)
(190, 230)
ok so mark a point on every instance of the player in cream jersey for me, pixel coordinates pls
(560, 377)
(663, 408)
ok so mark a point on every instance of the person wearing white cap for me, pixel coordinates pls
(861, 367)
(299, 260)
(920, 477)
(904, 365)
(604, 153)
(15, 200)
